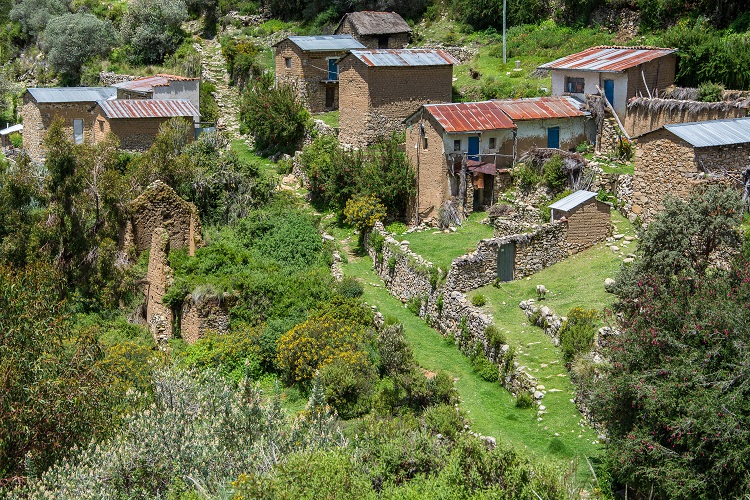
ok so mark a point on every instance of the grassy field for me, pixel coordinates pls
(331, 118)
(441, 248)
(245, 153)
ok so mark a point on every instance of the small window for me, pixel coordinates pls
(492, 143)
(383, 41)
(101, 125)
(288, 62)
(424, 143)
(457, 145)
(574, 85)
(78, 131)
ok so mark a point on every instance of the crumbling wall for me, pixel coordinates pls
(206, 314)
(160, 207)
(158, 279)
(644, 115)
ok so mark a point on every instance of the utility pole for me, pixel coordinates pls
(504, 4)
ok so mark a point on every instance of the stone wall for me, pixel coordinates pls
(159, 207)
(158, 279)
(588, 224)
(430, 166)
(307, 74)
(135, 134)
(208, 314)
(608, 137)
(645, 115)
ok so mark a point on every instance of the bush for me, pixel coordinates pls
(526, 176)
(16, 140)
(485, 368)
(554, 177)
(348, 385)
(209, 107)
(524, 401)
(710, 92)
(392, 263)
(577, 332)
(152, 29)
(72, 39)
(33, 15)
(350, 288)
(414, 305)
(479, 300)
(242, 60)
(363, 212)
(377, 241)
(624, 149)
(444, 419)
(397, 228)
(232, 354)
(395, 352)
(273, 115)
(495, 338)
(545, 213)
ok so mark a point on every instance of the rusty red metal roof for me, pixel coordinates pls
(147, 108)
(541, 108)
(148, 83)
(470, 116)
(404, 57)
(608, 58)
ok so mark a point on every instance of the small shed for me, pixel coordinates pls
(161, 86)
(5, 134)
(376, 30)
(587, 219)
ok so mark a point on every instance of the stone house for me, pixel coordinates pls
(620, 72)
(136, 122)
(161, 86)
(464, 150)
(380, 88)
(677, 158)
(310, 65)
(77, 106)
(376, 30)
(587, 218)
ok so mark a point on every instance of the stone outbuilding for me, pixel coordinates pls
(620, 72)
(380, 88)
(76, 106)
(159, 206)
(161, 86)
(136, 122)
(376, 30)
(464, 150)
(587, 218)
(310, 65)
(677, 158)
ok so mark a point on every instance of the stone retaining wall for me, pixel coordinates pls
(208, 314)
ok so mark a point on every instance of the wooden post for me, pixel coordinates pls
(617, 118)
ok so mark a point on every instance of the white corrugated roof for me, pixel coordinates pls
(573, 200)
(404, 57)
(72, 94)
(11, 129)
(326, 43)
(147, 108)
(713, 132)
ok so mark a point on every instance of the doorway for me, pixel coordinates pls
(553, 137)
(473, 151)
(506, 259)
(609, 91)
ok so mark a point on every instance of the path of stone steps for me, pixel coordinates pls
(214, 70)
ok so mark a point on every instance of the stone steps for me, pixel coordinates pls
(213, 70)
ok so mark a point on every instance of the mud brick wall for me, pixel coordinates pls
(159, 278)
(430, 166)
(209, 314)
(588, 224)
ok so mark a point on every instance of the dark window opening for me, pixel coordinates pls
(574, 85)
(492, 143)
(457, 145)
(330, 96)
(424, 143)
(288, 62)
(383, 42)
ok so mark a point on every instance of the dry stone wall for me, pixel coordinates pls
(159, 278)
(204, 315)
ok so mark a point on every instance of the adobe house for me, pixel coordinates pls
(382, 87)
(376, 30)
(310, 65)
(587, 218)
(136, 122)
(621, 73)
(161, 86)
(77, 106)
(464, 150)
(677, 158)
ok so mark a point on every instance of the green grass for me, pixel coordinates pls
(246, 154)
(441, 248)
(618, 167)
(560, 436)
(331, 118)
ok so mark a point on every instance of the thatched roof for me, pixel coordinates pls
(656, 105)
(375, 23)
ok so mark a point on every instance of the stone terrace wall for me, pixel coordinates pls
(209, 314)
(159, 278)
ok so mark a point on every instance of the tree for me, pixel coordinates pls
(33, 15)
(152, 29)
(273, 115)
(72, 39)
(675, 401)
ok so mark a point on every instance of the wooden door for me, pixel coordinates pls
(506, 260)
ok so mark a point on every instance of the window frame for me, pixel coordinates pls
(288, 62)
(574, 83)
(456, 144)
(78, 137)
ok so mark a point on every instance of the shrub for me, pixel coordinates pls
(363, 212)
(33, 15)
(485, 368)
(348, 383)
(439, 303)
(16, 140)
(710, 92)
(526, 176)
(554, 177)
(396, 228)
(242, 60)
(524, 400)
(232, 354)
(72, 39)
(545, 213)
(273, 115)
(495, 338)
(577, 332)
(584, 148)
(624, 149)
(152, 29)
(444, 419)
(479, 300)
(392, 263)
(350, 288)
(414, 305)
(394, 350)
(377, 241)
(209, 107)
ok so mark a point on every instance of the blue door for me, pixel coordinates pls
(553, 137)
(609, 91)
(473, 148)
(333, 70)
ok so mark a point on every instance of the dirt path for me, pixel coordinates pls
(214, 70)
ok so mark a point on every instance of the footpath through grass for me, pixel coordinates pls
(491, 407)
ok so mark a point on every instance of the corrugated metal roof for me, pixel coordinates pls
(368, 22)
(539, 108)
(573, 200)
(11, 129)
(608, 58)
(148, 83)
(147, 108)
(713, 132)
(404, 57)
(470, 116)
(71, 94)
(326, 43)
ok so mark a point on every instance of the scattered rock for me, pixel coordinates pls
(618, 236)
(628, 260)
(538, 394)
(609, 284)
(614, 248)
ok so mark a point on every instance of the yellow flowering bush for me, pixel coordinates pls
(363, 212)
